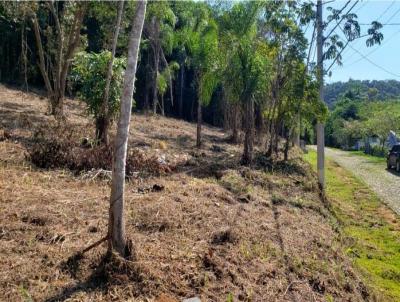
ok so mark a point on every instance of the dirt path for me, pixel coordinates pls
(385, 183)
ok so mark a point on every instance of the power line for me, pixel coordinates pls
(339, 12)
(376, 65)
(384, 12)
(395, 24)
(342, 18)
(338, 23)
(362, 5)
(370, 61)
(386, 23)
(395, 13)
(373, 50)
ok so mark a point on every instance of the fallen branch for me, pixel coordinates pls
(290, 285)
(97, 243)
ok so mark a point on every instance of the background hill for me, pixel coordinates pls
(371, 90)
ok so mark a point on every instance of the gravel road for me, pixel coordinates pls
(385, 183)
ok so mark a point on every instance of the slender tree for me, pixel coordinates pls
(59, 49)
(202, 45)
(116, 231)
(103, 121)
(158, 30)
(245, 62)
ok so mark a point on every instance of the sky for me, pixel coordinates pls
(381, 62)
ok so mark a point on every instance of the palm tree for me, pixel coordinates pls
(203, 50)
(245, 60)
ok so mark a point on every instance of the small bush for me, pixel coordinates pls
(377, 151)
(88, 74)
(61, 147)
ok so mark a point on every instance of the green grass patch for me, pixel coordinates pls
(370, 158)
(371, 232)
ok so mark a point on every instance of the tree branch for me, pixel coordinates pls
(41, 55)
(60, 38)
(338, 22)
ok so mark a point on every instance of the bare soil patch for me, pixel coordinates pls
(209, 228)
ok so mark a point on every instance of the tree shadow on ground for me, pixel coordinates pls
(393, 172)
(111, 270)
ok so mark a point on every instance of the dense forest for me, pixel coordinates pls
(214, 62)
(366, 89)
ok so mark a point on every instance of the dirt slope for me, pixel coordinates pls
(211, 228)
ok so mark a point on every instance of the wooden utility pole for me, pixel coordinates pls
(320, 75)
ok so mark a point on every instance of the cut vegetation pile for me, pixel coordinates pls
(64, 146)
(211, 228)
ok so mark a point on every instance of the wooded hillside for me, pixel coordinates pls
(368, 90)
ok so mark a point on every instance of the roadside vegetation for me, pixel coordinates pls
(369, 230)
(371, 158)
(355, 120)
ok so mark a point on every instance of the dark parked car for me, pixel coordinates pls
(393, 158)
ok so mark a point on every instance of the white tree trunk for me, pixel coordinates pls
(117, 238)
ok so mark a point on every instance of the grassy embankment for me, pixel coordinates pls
(371, 158)
(370, 230)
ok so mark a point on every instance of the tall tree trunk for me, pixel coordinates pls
(181, 83)
(156, 62)
(169, 76)
(235, 121)
(155, 99)
(271, 129)
(24, 54)
(116, 229)
(278, 127)
(146, 105)
(162, 105)
(199, 117)
(287, 144)
(42, 65)
(57, 104)
(104, 120)
(62, 59)
(247, 157)
(296, 138)
(272, 118)
(73, 43)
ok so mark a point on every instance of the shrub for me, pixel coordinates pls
(89, 73)
(377, 151)
(61, 146)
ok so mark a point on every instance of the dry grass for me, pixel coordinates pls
(211, 230)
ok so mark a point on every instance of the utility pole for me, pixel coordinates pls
(320, 77)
